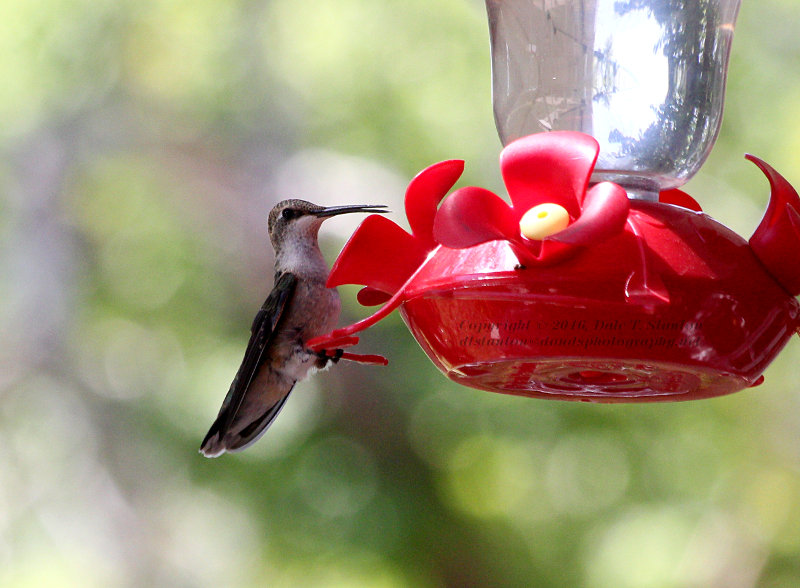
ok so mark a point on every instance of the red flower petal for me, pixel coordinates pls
(549, 167)
(605, 210)
(679, 198)
(776, 241)
(371, 297)
(424, 193)
(470, 216)
(379, 254)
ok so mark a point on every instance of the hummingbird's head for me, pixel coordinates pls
(298, 221)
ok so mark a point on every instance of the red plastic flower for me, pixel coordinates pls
(384, 257)
(549, 168)
(544, 169)
(777, 238)
(380, 254)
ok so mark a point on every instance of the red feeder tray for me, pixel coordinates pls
(632, 302)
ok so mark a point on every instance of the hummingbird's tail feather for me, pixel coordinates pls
(212, 445)
(217, 441)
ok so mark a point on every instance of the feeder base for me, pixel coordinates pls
(677, 309)
(602, 380)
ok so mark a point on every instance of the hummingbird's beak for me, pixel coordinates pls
(334, 210)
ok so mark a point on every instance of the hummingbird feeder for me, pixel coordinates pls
(601, 281)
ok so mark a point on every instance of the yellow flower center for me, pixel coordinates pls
(544, 220)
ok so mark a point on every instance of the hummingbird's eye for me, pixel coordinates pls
(288, 213)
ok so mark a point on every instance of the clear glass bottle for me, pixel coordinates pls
(646, 78)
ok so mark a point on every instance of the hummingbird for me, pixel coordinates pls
(298, 308)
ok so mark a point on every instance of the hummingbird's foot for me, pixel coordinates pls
(329, 355)
(334, 355)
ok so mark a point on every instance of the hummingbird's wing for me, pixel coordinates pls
(262, 333)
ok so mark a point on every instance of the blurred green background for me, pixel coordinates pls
(142, 145)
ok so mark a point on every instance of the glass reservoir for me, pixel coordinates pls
(646, 78)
